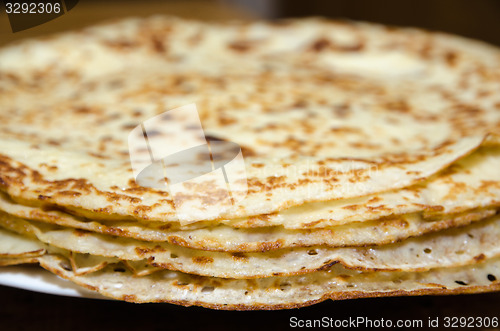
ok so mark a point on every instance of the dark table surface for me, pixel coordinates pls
(25, 310)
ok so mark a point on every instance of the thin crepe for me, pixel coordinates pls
(224, 238)
(336, 283)
(301, 111)
(451, 248)
(18, 247)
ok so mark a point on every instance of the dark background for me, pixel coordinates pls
(478, 19)
(24, 310)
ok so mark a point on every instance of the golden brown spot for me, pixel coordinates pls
(128, 126)
(268, 246)
(195, 38)
(351, 207)
(83, 110)
(451, 58)
(13, 77)
(299, 104)
(68, 193)
(97, 155)
(165, 227)
(274, 180)
(129, 298)
(140, 210)
(104, 210)
(488, 185)
(247, 152)
(304, 181)
(158, 44)
(399, 106)
(435, 208)
(479, 258)
(374, 199)
(49, 167)
(344, 277)
(327, 264)
(54, 142)
(395, 222)
(320, 45)
(350, 48)
(322, 171)
(313, 223)
(115, 231)
(379, 208)
(80, 233)
(346, 130)
(456, 189)
(241, 46)
(180, 284)
(176, 240)
(225, 120)
(120, 44)
(239, 256)
(143, 250)
(262, 217)
(202, 259)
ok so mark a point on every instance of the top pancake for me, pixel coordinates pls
(322, 110)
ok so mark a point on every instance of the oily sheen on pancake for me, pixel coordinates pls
(314, 124)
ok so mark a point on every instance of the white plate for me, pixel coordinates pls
(36, 279)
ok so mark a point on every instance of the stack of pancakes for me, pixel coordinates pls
(371, 161)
